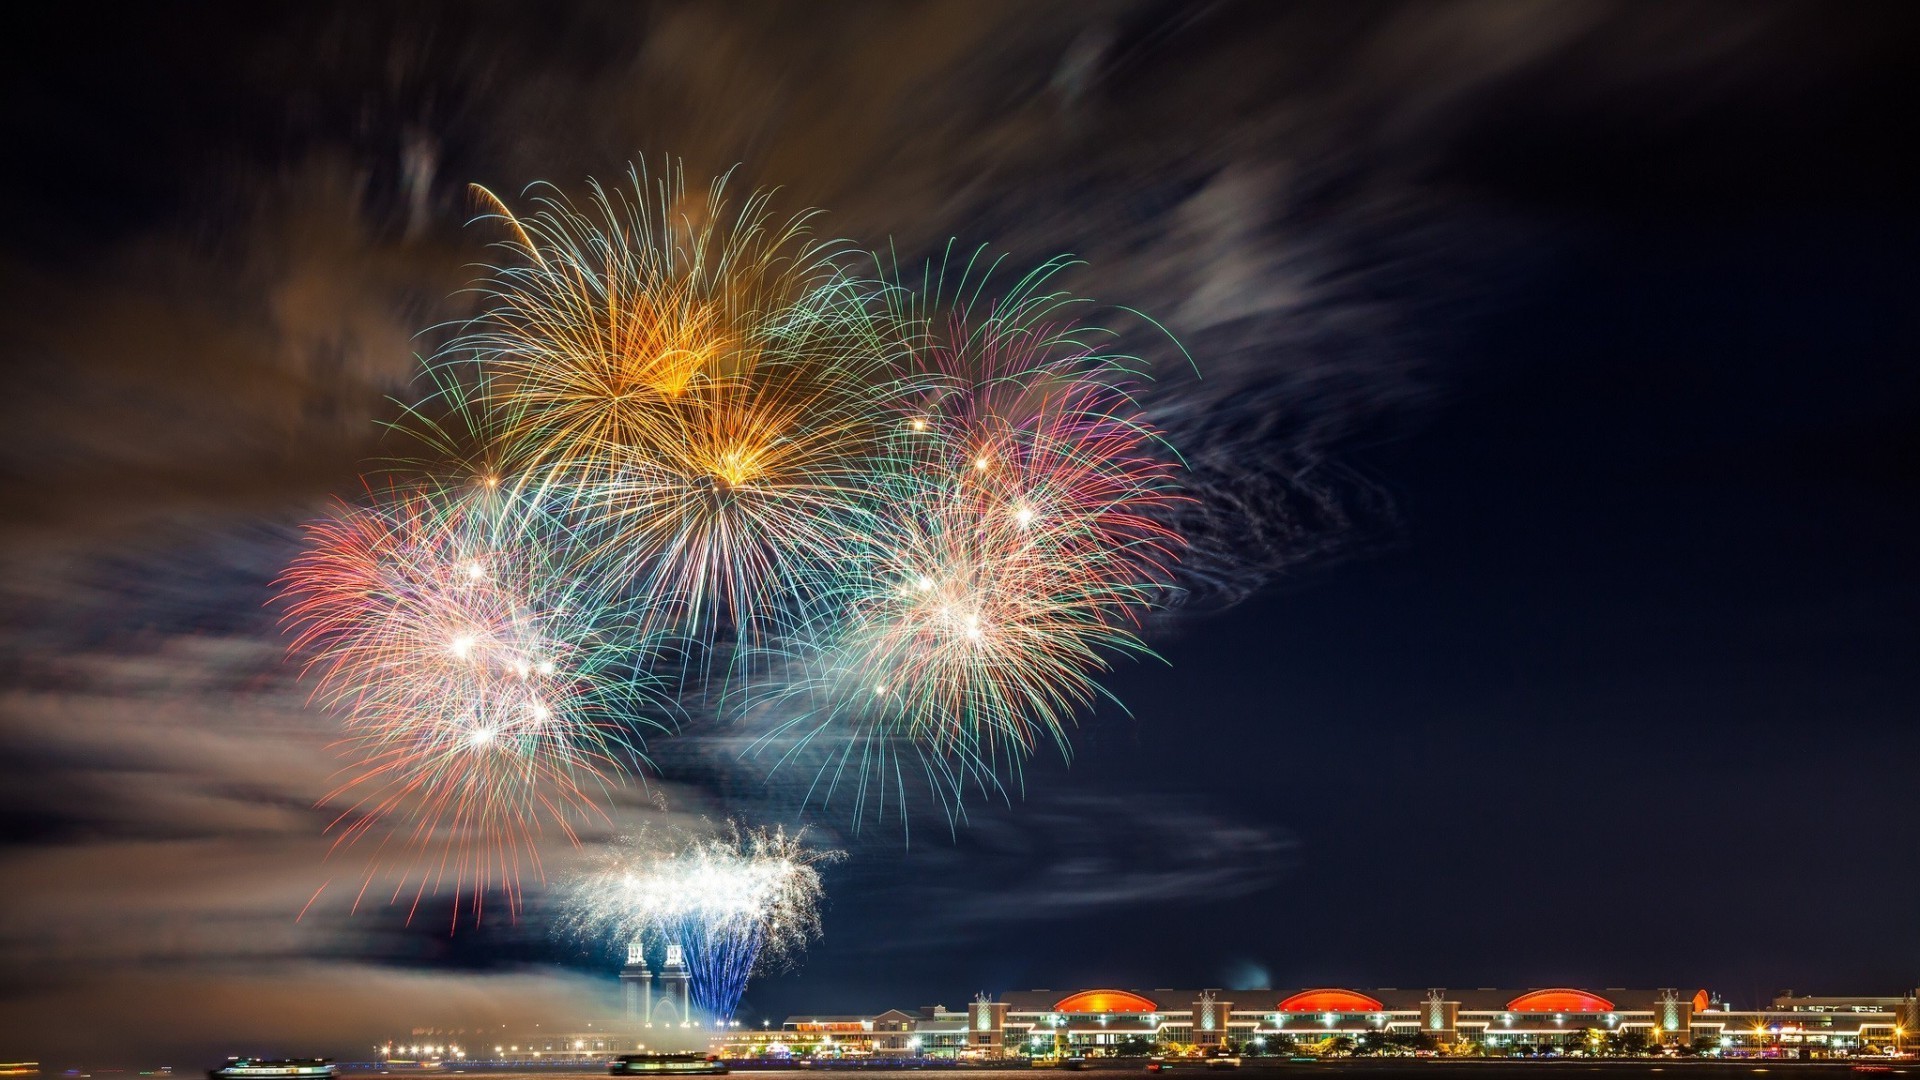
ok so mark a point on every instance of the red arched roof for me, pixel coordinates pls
(1701, 1002)
(1105, 1001)
(1336, 1001)
(1560, 999)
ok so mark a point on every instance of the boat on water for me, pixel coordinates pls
(666, 1064)
(1219, 1059)
(274, 1069)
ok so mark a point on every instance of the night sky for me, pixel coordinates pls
(1554, 611)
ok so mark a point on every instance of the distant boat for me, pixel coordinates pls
(274, 1069)
(666, 1064)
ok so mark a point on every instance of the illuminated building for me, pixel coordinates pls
(1556, 1017)
(450, 1046)
(933, 1031)
(1538, 1020)
(667, 1004)
(657, 1010)
(1814, 1026)
(636, 985)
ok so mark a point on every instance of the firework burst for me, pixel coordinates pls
(698, 379)
(1014, 539)
(738, 902)
(484, 699)
(896, 526)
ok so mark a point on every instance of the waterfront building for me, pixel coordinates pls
(1317, 1019)
(931, 1031)
(657, 1011)
(1816, 1026)
(453, 1046)
(662, 1003)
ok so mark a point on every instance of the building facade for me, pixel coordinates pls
(1320, 1019)
(453, 1046)
(662, 1002)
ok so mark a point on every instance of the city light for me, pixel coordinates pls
(1054, 1026)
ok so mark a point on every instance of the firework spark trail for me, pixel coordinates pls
(483, 700)
(738, 902)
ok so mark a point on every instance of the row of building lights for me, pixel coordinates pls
(1330, 1019)
(579, 1044)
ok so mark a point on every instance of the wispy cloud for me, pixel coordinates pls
(1056, 856)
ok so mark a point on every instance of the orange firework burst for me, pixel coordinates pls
(696, 380)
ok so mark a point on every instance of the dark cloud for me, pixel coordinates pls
(1058, 856)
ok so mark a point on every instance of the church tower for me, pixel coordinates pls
(637, 983)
